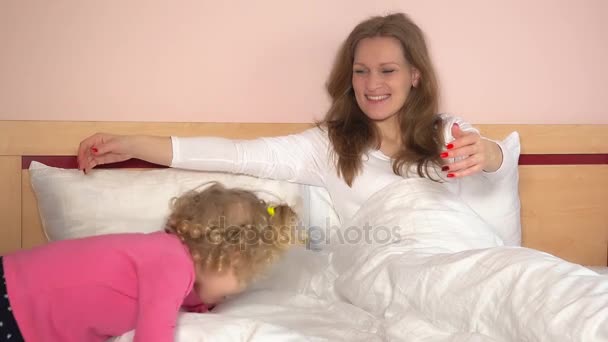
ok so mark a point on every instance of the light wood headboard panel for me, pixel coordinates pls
(564, 207)
(10, 203)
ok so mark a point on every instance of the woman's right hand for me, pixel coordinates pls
(102, 148)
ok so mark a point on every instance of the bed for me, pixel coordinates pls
(563, 177)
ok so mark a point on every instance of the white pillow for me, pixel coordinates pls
(74, 205)
(495, 196)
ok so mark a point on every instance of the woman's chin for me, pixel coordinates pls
(378, 116)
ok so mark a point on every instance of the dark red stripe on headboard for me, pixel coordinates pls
(69, 162)
(563, 159)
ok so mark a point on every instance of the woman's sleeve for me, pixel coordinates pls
(299, 158)
(449, 121)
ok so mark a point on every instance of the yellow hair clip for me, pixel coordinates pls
(270, 211)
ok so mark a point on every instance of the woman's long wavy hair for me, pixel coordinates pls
(352, 133)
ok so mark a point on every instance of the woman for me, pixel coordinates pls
(382, 125)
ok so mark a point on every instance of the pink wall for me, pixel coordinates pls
(500, 61)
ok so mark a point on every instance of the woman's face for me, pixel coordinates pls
(382, 78)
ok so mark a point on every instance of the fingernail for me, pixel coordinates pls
(444, 155)
(445, 168)
(451, 175)
(457, 125)
(450, 146)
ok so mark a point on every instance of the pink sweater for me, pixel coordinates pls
(93, 288)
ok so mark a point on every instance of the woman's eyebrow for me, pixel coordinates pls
(381, 64)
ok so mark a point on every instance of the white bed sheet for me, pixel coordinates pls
(443, 277)
(447, 274)
(294, 303)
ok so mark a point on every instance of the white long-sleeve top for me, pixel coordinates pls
(301, 158)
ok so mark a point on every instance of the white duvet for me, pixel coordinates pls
(437, 273)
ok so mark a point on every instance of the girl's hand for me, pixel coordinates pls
(473, 154)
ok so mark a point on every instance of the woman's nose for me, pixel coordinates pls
(374, 81)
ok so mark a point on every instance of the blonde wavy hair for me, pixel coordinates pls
(231, 228)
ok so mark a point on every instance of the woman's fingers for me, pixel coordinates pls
(468, 153)
(98, 149)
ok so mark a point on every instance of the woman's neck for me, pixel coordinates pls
(390, 135)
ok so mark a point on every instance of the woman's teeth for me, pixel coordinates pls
(377, 98)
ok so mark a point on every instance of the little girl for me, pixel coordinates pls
(215, 242)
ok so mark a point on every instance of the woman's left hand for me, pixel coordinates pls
(473, 154)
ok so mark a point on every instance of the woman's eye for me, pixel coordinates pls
(358, 71)
(388, 71)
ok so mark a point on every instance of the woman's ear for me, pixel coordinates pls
(415, 77)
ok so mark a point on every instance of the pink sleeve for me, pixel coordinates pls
(163, 284)
(192, 303)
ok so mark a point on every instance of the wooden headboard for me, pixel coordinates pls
(563, 177)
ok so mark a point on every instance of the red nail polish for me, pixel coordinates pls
(94, 149)
(445, 168)
(444, 155)
(451, 175)
(450, 146)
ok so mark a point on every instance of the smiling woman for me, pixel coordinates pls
(385, 96)
(384, 106)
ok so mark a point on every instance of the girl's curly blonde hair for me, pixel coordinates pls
(232, 228)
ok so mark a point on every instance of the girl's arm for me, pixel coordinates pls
(163, 283)
(156, 320)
